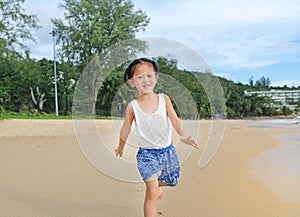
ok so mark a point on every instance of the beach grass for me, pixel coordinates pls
(16, 115)
(45, 116)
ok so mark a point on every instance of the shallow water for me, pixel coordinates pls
(278, 168)
(287, 124)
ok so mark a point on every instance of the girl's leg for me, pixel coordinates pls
(161, 194)
(153, 193)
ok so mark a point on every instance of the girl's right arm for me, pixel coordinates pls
(125, 130)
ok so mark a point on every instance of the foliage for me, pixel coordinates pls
(89, 29)
(298, 106)
(93, 26)
(18, 75)
(286, 110)
(15, 26)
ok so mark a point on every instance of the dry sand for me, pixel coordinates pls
(44, 173)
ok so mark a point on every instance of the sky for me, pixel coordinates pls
(240, 39)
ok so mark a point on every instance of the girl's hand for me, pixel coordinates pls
(188, 140)
(119, 152)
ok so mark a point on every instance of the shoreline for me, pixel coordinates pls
(44, 173)
(278, 168)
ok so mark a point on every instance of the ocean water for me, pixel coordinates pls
(278, 169)
(287, 124)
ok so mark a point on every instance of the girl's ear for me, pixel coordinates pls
(130, 82)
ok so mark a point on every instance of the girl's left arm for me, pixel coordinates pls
(177, 124)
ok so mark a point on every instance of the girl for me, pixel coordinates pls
(154, 116)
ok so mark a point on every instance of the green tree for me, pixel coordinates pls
(15, 29)
(112, 91)
(67, 78)
(263, 82)
(185, 106)
(15, 25)
(286, 110)
(18, 75)
(251, 81)
(92, 26)
(297, 109)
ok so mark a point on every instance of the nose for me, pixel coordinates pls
(145, 79)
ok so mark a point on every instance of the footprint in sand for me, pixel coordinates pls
(160, 213)
(139, 190)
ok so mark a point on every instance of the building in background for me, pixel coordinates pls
(288, 98)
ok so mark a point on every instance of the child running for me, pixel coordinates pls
(154, 116)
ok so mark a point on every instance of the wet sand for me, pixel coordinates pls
(45, 173)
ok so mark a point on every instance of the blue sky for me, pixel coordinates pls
(238, 38)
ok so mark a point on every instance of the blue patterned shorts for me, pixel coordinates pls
(163, 162)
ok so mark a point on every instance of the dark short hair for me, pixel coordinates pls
(130, 69)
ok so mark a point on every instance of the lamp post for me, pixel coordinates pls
(54, 67)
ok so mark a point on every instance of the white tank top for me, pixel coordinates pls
(154, 130)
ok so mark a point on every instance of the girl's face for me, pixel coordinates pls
(144, 78)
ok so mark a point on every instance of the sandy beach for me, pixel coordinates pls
(45, 173)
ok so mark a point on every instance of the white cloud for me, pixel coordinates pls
(228, 76)
(45, 9)
(229, 34)
(219, 12)
(236, 33)
(289, 83)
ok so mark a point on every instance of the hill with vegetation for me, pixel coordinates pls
(26, 86)
(86, 31)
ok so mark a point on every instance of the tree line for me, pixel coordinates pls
(88, 29)
(25, 79)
